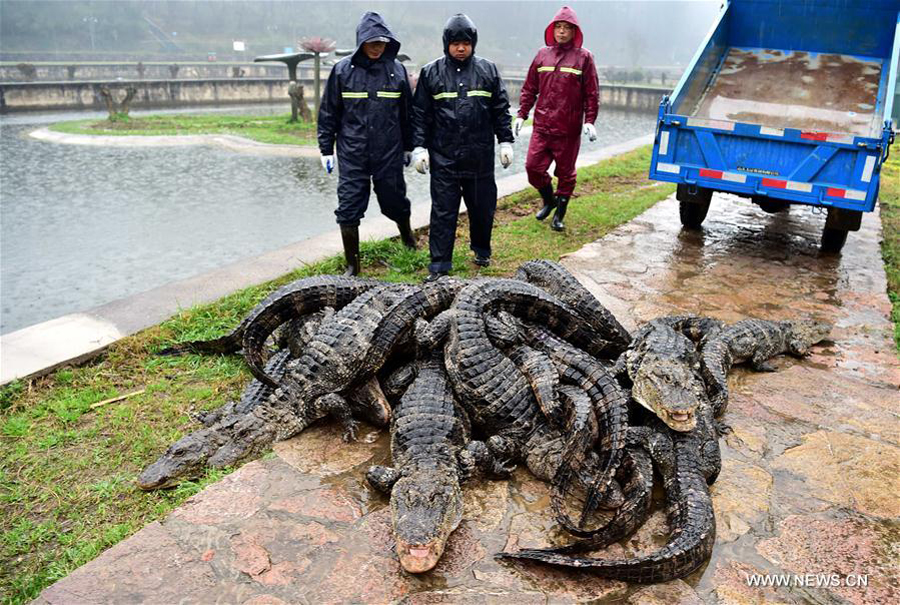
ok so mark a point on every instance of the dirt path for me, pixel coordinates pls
(808, 486)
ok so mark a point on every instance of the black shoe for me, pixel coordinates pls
(435, 275)
(350, 237)
(406, 234)
(549, 202)
(482, 261)
(562, 203)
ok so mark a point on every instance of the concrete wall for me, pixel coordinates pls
(151, 93)
(152, 71)
(61, 95)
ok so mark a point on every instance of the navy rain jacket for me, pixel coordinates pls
(460, 106)
(366, 105)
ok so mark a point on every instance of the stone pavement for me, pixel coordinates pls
(809, 483)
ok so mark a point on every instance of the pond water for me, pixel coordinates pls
(81, 226)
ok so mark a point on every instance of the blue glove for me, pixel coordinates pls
(328, 163)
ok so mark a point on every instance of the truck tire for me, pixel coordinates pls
(693, 204)
(833, 240)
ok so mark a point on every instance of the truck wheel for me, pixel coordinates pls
(693, 204)
(833, 239)
(692, 215)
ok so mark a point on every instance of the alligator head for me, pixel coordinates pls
(426, 507)
(670, 390)
(806, 333)
(185, 459)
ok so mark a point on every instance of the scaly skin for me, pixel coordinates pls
(254, 394)
(498, 396)
(432, 456)
(685, 472)
(313, 387)
(756, 341)
(339, 363)
(294, 300)
(663, 367)
(556, 280)
(610, 406)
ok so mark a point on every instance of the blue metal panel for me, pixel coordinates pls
(852, 27)
(813, 163)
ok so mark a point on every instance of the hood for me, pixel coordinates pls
(460, 27)
(370, 26)
(568, 15)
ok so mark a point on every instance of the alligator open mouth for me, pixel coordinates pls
(679, 420)
(419, 558)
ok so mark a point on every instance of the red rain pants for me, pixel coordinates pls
(543, 149)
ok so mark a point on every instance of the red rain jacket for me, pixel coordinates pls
(563, 79)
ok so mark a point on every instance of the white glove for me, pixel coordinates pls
(420, 159)
(407, 158)
(517, 126)
(328, 163)
(590, 131)
(506, 154)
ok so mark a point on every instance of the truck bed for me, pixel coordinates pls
(823, 92)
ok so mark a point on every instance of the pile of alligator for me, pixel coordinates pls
(475, 377)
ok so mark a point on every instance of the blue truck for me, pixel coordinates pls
(785, 102)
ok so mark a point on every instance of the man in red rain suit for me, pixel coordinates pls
(563, 80)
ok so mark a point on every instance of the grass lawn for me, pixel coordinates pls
(264, 129)
(67, 471)
(889, 202)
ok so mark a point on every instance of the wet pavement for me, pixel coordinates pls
(809, 482)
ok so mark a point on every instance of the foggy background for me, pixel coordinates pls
(620, 33)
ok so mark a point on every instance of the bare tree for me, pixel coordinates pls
(117, 109)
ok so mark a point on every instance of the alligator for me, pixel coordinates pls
(756, 341)
(609, 403)
(687, 461)
(432, 456)
(557, 281)
(294, 300)
(499, 397)
(340, 362)
(663, 367)
(254, 394)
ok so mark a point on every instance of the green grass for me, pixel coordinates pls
(67, 471)
(264, 129)
(889, 203)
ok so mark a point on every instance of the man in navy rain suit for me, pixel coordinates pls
(366, 108)
(460, 106)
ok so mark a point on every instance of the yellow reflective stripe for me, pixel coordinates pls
(571, 70)
(479, 93)
(546, 68)
(445, 95)
(388, 95)
(355, 95)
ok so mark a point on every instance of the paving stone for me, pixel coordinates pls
(852, 471)
(846, 546)
(147, 567)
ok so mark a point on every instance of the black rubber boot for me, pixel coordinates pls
(549, 202)
(562, 203)
(350, 237)
(406, 235)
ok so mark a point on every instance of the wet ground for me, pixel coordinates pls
(81, 226)
(809, 483)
